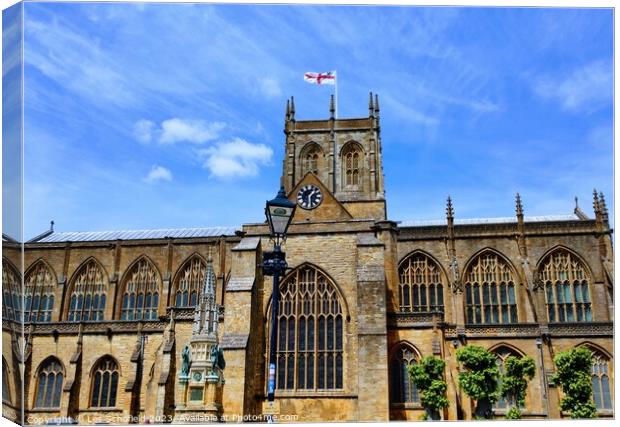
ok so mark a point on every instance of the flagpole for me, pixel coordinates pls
(336, 92)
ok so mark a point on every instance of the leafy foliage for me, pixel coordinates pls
(427, 375)
(573, 375)
(479, 377)
(517, 372)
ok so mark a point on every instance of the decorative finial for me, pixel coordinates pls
(288, 110)
(332, 107)
(209, 256)
(603, 207)
(292, 108)
(52, 225)
(596, 203)
(519, 205)
(376, 104)
(371, 107)
(449, 210)
(576, 203)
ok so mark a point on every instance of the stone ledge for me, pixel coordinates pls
(239, 284)
(247, 244)
(234, 342)
(371, 273)
(368, 239)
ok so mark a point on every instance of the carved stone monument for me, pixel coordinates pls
(201, 377)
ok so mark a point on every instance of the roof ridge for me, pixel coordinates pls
(148, 229)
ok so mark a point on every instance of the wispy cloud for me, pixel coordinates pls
(236, 159)
(177, 130)
(158, 173)
(269, 87)
(587, 88)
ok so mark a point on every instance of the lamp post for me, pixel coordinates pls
(279, 213)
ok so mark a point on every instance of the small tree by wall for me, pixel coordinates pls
(573, 375)
(478, 379)
(428, 377)
(517, 372)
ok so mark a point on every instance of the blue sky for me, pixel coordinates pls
(171, 115)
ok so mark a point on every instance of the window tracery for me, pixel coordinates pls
(39, 301)
(310, 159)
(310, 333)
(501, 354)
(601, 389)
(105, 383)
(88, 295)
(403, 388)
(141, 295)
(49, 386)
(351, 160)
(490, 295)
(189, 282)
(420, 288)
(567, 290)
(12, 296)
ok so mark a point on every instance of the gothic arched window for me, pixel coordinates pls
(12, 297)
(351, 165)
(310, 158)
(88, 293)
(39, 283)
(490, 295)
(403, 389)
(601, 390)
(501, 354)
(420, 287)
(310, 332)
(49, 384)
(141, 292)
(6, 392)
(189, 282)
(104, 383)
(566, 288)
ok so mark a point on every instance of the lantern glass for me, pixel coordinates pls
(279, 213)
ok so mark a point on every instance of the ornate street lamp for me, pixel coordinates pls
(279, 213)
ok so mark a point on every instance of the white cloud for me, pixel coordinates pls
(236, 159)
(194, 131)
(158, 173)
(269, 87)
(586, 89)
(143, 130)
(177, 130)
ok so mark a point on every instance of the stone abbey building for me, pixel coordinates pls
(123, 326)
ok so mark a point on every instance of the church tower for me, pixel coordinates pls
(344, 155)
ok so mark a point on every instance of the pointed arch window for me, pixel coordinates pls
(501, 354)
(88, 295)
(6, 392)
(104, 384)
(490, 294)
(49, 384)
(403, 390)
(39, 302)
(189, 282)
(310, 159)
(601, 389)
(141, 292)
(567, 291)
(420, 288)
(351, 165)
(12, 297)
(310, 350)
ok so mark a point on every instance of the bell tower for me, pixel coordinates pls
(343, 154)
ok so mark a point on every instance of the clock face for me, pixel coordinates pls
(309, 196)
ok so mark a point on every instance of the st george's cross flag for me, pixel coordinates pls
(328, 78)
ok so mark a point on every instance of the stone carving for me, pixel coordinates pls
(186, 359)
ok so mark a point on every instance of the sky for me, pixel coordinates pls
(171, 115)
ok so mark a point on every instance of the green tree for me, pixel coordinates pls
(517, 372)
(478, 379)
(428, 377)
(573, 375)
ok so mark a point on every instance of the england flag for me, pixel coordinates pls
(328, 78)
